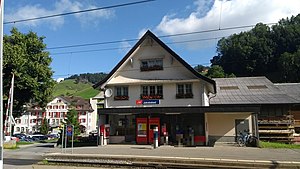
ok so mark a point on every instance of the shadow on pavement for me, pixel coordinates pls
(142, 148)
(46, 145)
(13, 161)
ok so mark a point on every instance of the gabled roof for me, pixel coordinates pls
(249, 90)
(291, 89)
(78, 101)
(163, 45)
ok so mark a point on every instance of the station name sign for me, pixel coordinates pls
(146, 102)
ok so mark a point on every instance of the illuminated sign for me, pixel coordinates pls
(146, 102)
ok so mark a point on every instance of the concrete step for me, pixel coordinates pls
(226, 144)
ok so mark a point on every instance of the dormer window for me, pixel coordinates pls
(151, 64)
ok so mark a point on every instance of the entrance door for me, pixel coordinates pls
(241, 125)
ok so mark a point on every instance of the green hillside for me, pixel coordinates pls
(70, 88)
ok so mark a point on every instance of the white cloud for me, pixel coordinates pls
(60, 6)
(124, 46)
(33, 12)
(206, 16)
(142, 32)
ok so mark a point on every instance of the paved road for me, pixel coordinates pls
(218, 152)
(24, 157)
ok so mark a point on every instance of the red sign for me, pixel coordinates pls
(139, 102)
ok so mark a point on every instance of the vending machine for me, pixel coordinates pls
(144, 130)
(141, 130)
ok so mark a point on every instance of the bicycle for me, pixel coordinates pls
(246, 139)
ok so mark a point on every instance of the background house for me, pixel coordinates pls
(55, 113)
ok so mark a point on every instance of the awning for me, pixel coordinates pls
(180, 110)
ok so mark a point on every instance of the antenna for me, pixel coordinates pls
(108, 93)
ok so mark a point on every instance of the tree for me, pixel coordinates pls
(216, 71)
(45, 127)
(25, 56)
(289, 65)
(247, 53)
(72, 119)
(263, 51)
(201, 69)
(88, 77)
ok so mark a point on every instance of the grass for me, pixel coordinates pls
(49, 141)
(11, 147)
(70, 88)
(24, 143)
(264, 144)
(45, 162)
(87, 93)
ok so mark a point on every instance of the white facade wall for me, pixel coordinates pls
(93, 115)
(173, 73)
(169, 96)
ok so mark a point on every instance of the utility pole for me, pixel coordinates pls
(11, 105)
(1, 82)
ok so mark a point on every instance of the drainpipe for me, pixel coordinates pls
(256, 126)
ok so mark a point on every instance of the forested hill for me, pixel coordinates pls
(271, 51)
(88, 77)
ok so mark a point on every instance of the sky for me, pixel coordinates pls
(128, 23)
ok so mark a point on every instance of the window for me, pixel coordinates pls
(184, 91)
(82, 120)
(121, 93)
(153, 64)
(18, 129)
(62, 114)
(39, 121)
(53, 121)
(152, 92)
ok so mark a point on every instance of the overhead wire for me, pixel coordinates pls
(119, 48)
(128, 40)
(162, 36)
(76, 12)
